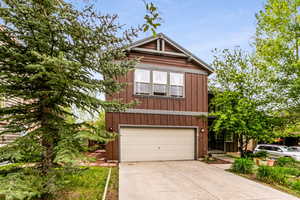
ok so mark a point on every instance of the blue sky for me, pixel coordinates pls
(197, 25)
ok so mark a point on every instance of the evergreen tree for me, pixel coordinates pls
(50, 56)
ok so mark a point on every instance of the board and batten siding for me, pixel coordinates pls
(195, 100)
(113, 120)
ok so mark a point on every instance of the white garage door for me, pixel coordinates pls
(154, 144)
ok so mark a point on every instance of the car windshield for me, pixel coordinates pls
(285, 148)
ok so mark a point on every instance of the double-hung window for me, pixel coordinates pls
(176, 88)
(158, 83)
(142, 81)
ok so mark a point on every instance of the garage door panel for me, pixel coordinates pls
(156, 156)
(146, 140)
(150, 144)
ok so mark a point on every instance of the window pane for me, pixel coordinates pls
(268, 148)
(176, 79)
(160, 77)
(159, 89)
(142, 75)
(176, 91)
(142, 88)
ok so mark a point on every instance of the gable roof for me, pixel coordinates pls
(183, 52)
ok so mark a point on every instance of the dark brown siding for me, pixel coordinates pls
(195, 99)
(166, 60)
(114, 119)
(170, 48)
(150, 45)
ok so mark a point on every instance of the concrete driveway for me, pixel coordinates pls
(189, 180)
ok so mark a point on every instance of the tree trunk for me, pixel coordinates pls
(48, 138)
(48, 153)
(246, 144)
(241, 146)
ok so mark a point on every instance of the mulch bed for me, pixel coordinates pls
(101, 161)
(216, 161)
(113, 189)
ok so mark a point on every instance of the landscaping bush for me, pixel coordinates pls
(275, 175)
(243, 166)
(285, 161)
(291, 171)
(249, 154)
(296, 185)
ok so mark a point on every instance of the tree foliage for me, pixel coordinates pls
(51, 55)
(277, 47)
(240, 99)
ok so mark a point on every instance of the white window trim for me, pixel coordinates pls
(168, 84)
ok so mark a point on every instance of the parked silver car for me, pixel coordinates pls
(277, 151)
(294, 148)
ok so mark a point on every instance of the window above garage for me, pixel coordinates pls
(158, 83)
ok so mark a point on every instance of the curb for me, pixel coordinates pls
(106, 185)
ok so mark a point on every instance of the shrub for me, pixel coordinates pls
(273, 175)
(249, 154)
(296, 185)
(291, 171)
(243, 166)
(260, 154)
(285, 161)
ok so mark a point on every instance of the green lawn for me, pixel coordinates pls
(84, 183)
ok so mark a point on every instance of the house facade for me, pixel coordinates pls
(170, 84)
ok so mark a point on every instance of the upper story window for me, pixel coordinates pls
(176, 84)
(159, 83)
(142, 81)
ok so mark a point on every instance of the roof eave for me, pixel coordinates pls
(176, 45)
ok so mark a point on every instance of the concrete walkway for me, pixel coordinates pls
(189, 180)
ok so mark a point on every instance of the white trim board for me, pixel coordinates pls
(165, 112)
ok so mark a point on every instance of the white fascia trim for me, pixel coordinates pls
(159, 52)
(143, 41)
(180, 48)
(165, 112)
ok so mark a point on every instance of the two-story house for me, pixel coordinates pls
(171, 85)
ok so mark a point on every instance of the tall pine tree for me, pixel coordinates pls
(50, 56)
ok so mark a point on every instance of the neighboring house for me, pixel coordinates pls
(171, 85)
(7, 138)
